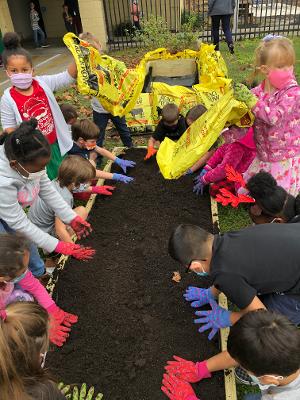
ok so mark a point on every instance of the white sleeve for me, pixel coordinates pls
(58, 81)
(8, 116)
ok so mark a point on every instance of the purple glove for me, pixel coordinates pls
(217, 318)
(202, 173)
(124, 164)
(199, 187)
(203, 296)
(122, 178)
(189, 172)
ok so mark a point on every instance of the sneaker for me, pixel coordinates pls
(231, 48)
(45, 45)
(242, 377)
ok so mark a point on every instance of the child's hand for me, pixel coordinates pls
(81, 227)
(62, 317)
(203, 296)
(188, 370)
(189, 172)
(217, 318)
(176, 389)
(150, 153)
(58, 333)
(242, 93)
(79, 393)
(124, 164)
(105, 190)
(122, 178)
(75, 250)
(199, 187)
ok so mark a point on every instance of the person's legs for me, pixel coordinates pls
(101, 121)
(42, 36)
(35, 38)
(285, 304)
(227, 31)
(253, 396)
(120, 124)
(215, 26)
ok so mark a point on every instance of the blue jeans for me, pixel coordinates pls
(252, 396)
(39, 34)
(101, 121)
(36, 264)
(284, 304)
(225, 19)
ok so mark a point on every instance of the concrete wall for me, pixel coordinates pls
(6, 24)
(19, 12)
(53, 20)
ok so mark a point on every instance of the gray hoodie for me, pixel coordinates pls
(17, 192)
(221, 7)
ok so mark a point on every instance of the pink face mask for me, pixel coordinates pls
(21, 81)
(280, 78)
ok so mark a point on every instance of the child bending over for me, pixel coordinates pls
(265, 344)
(172, 125)
(84, 135)
(70, 114)
(238, 155)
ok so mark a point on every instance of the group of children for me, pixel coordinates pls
(48, 156)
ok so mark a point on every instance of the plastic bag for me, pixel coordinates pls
(141, 118)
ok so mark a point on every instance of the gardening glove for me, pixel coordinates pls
(80, 227)
(61, 316)
(188, 370)
(79, 393)
(203, 296)
(75, 250)
(215, 319)
(189, 172)
(202, 173)
(58, 333)
(199, 187)
(122, 178)
(150, 152)
(124, 164)
(105, 190)
(242, 93)
(176, 389)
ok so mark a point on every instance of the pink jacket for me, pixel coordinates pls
(276, 125)
(239, 155)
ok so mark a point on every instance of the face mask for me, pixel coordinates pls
(89, 146)
(280, 78)
(32, 175)
(21, 81)
(256, 380)
(18, 278)
(203, 273)
(81, 188)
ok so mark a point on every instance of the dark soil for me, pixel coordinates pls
(132, 316)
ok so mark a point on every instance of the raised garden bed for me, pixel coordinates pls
(132, 316)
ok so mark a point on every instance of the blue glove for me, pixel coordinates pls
(215, 319)
(203, 296)
(122, 178)
(199, 187)
(189, 172)
(124, 164)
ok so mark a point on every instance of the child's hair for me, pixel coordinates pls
(85, 129)
(170, 113)
(188, 243)
(265, 343)
(69, 112)
(279, 48)
(12, 248)
(75, 169)
(23, 337)
(273, 199)
(12, 47)
(195, 112)
(26, 143)
(91, 39)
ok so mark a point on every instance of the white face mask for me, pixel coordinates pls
(32, 175)
(256, 380)
(81, 188)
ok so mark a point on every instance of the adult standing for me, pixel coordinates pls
(38, 33)
(135, 12)
(68, 19)
(221, 11)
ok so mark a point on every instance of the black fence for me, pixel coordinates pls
(252, 18)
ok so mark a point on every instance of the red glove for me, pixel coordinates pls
(150, 153)
(105, 190)
(176, 389)
(61, 317)
(75, 250)
(80, 227)
(58, 333)
(188, 370)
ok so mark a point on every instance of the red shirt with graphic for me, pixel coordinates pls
(36, 106)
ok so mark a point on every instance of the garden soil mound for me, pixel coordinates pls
(132, 316)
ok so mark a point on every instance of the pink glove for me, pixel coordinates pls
(80, 227)
(105, 190)
(188, 370)
(58, 334)
(75, 250)
(61, 316)
(176, 389)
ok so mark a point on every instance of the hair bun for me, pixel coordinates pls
(11, 41)
(262, 185)
(27, 127)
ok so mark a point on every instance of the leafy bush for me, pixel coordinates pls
(197, 18)
(124, 29)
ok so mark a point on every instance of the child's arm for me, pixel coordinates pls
(105, 153)
(202, 161)
(115, 177)
(61, 231)
(8, 117)
(62, 79)
(256, 304)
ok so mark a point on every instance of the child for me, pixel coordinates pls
(238, 155)
(75, 174)
(70, 114)
(33, 97)
(277, 121)
(23, 159)
(266, 344)
(37, 30)
(14, 256)
(171, 125)
(85, 134)
(272, 203)
(256, 267)
(100, 115)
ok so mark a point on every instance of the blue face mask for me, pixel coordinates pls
(18, 278)
(256, 381)
(202, 273)
(81, 188)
